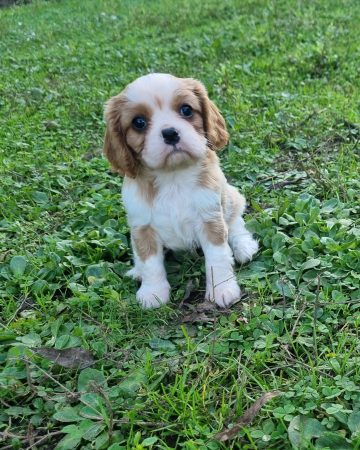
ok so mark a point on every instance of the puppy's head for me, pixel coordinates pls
(161, 122)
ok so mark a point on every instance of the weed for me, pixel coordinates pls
(81, 365)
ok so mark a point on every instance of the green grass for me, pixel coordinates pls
(286, 76)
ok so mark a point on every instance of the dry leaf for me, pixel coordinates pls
(197, 317)
(72, 358)
(206, 306)
(249, 415)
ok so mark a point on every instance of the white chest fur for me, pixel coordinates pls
(175, 216)
(178, 209)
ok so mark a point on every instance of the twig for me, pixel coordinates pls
(297, 320)
(44, 438)
(212, 283)
(316, 306)
(19, 309)
(282, 184)
(249, 415)
(30, 435)
(49, 376)
(144, 424)
(28, 377)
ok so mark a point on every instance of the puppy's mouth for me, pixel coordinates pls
(177, 150)
(178, 156)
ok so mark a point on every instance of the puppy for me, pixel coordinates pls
(162, 136)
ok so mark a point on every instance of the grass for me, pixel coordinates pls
(286, 76)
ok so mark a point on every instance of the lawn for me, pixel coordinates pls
(81, 365)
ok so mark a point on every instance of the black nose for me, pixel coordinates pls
(171, 136)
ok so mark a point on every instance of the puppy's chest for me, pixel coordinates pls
(175, 216)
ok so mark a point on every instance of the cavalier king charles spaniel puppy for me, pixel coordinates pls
(162, 136)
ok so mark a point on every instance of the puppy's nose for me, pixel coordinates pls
(170, 135)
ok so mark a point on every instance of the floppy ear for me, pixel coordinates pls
(214, 123)
(116, 149)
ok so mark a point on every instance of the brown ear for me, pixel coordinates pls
(116, 149)
(214, 123)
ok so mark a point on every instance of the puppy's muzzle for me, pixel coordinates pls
(171, 136)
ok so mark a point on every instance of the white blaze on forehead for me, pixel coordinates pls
(154, 85)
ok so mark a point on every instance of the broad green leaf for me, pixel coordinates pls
(132, 383)
(6, 336)
(39, 286)
(332, 408)
(31, 339)
(302, 429)
(311, 263)
(90, 429)
(333, 441)
(354, 422)
(40, 197)
(286, 289)
(101, 440)
(280, 257)
(11, 373)
(92, 399)
(67, 414)
(149, 441)
(90, 413)
(161, 344)
(278, 241)
(329, 205)
(96, 271)
(310, 275)
(69, 442)
(70, 429)
(93, 405)
(88, 377)
(18, 265)
(67, 341)
(19, 411)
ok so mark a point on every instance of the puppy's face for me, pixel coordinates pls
(161, 122)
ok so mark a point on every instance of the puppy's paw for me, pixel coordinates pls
(224, 294)
(245, 249)
(153, 296)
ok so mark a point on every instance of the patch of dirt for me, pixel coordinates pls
(193, 308)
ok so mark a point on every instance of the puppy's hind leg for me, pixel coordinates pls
(241, 241)
(135, 272)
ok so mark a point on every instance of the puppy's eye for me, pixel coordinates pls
(139, 123)
(186, 111)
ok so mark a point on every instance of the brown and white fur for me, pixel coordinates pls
(162, 136)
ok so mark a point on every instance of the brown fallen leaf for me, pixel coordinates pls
(197, 317)
(249, 415)
(72, 358)
(206, 306)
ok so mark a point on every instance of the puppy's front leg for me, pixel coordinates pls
(221, 284)
(149, 267)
